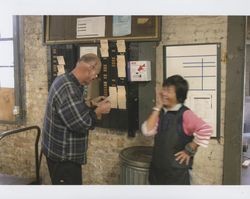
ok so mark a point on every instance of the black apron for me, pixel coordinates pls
(170, 139)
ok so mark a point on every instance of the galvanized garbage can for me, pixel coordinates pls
(135, 163)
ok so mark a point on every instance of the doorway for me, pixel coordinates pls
(245, 162)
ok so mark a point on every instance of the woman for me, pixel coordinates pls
(178, 133)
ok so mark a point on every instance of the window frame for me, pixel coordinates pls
(18, 54)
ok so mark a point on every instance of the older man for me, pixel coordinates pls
(68, 119)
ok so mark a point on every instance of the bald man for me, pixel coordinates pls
(68, 119)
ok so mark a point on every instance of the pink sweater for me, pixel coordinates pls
(192, 125)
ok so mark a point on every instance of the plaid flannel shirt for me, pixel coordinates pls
(67, 121)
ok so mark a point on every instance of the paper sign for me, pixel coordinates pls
(121, 66)
(104, 43)
(121, 25)
(121, 47)
(104, 48)
(142, 20)
(104, 52)
(121, 97)
(90, 27)
(88, 49)
(113, 96)
(60, 69)
(60, 60)
(139, 70)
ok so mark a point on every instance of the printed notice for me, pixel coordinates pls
(203, 104)
(121, 66)
(60, 60)
(121, 97)
(113, 96)
(104, 52)
(121, 47)
(104, 43)
(60, 69)
(142, 20)
(88, 49)
(121, 25)
(90, 27)
(104, 48)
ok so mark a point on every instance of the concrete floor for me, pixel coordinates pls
(245, 171)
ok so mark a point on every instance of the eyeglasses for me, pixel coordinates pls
(93, 67)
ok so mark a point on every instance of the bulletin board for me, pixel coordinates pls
(87, 29)
(125, 107)
(199, 64)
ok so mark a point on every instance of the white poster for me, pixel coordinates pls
(121, 97)
(113, 95)
(121, 66)
(90, 27)
(121, 25)
(88, 49)
(139, 70)
(198, 65)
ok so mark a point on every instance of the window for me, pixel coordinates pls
(10, 70)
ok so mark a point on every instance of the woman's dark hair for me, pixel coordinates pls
(181, 86)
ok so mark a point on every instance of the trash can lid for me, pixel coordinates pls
(139, 156)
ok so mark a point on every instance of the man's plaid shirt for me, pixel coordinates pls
(67, 121)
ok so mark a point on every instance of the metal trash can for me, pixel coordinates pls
(135, 162)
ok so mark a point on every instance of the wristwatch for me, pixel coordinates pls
(190, 151)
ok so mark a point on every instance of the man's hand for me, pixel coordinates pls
(103, 107)
(182, 156)
(95, 101)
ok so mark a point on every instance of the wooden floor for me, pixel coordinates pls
(245, 172)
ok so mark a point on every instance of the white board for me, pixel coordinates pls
(198, 65)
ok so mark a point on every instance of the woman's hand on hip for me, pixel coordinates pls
(182, 157)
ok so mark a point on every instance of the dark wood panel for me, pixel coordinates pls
(233, 127)
(62, 29)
